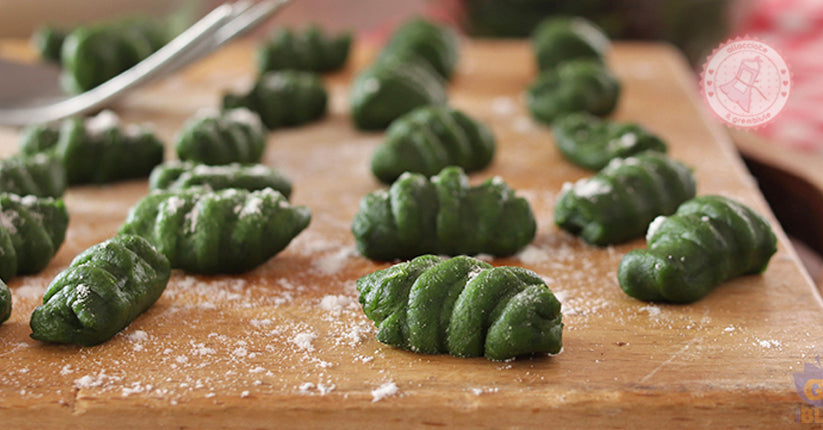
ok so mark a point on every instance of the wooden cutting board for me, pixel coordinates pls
(287, 344)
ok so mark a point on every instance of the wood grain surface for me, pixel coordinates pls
(287, 345)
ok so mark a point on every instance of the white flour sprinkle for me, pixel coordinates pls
(335, 304)
(306, 387)
(768, 343)
(101, 122)
(137, 336)
(383, 391)
(532, 255)
(588, 188)
(201, 349)
(652, 310)
(654, 226)
(90, 381)
(304, 340)
(503, 105)
(333, 262)
(29, 292)
(523, 124)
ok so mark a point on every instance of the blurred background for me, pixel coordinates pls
(793, 27)
(696, 27)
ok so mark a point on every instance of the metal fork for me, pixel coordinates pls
(219, 26)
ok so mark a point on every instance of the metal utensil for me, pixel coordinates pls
(26, 87)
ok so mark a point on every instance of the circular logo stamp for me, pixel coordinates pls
(745, 82)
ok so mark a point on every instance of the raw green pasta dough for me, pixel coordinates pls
(211, 137)
(617, 203)
(48, 41)
(434, 43)
(5, 302)
(31, 231)
(310, 50)
(101, 292)
(591, 142)
(573, 86)
(391, 88)
(225, 231)
(430, 138)
(94, 54)
(443, 215)
(40, 175)
(98, 149)
(563, 38)
(709, 240)
(177, 175)
(283, 98)
(462, 306)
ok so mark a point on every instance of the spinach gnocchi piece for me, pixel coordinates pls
(212, 137)
(101, 292)
(40, 175)
(462, 306)
(617, 203)
(591, 142)
(391, 88)
(573, 86)
(442, 215)
(563, 38)
(98, 149)
(39, 138)
(48, 41)
(434, 43)
(5, 302)
(224, 231)
(283, 98)
(309, 50)
(31, 231)
(430, 138)
(709, 240)
(178, 175)
(91, 55)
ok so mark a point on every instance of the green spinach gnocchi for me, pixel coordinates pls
(98, 149)
(709, 240)
(420, 38)
(5, 302)
(31, 231)
(310, 49)
(591, 142)
(573, 86)
(91, 55)
(442, 215)
(39, 174)
(430, 138)
(101, 292)
(226, 231)
(283, 98)
(391, 88)
(462, 306)
(617, 203)
(563, 38)
(212, 137)
(178, 175)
